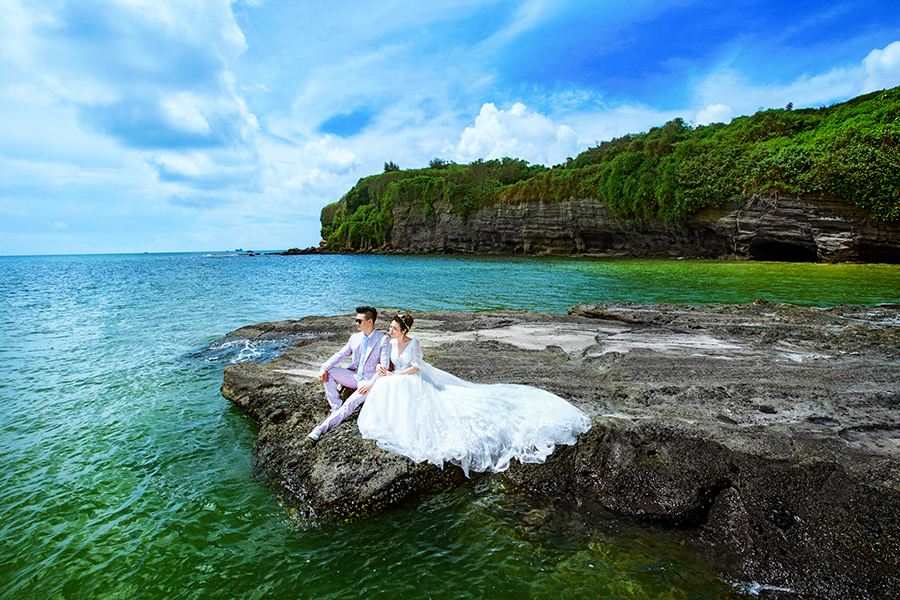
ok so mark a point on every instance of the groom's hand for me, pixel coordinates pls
(364, 388)
(323, 375)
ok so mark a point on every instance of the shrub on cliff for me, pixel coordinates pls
(362, 219)
(850, 151)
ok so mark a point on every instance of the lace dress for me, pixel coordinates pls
(433, 416)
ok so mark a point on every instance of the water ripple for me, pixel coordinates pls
(124, 474)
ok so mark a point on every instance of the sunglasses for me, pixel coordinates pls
(358, 321)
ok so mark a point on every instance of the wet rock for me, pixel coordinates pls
(732, 424)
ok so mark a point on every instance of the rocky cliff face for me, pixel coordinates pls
(761, 227)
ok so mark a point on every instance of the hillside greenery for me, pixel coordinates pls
(849, 151)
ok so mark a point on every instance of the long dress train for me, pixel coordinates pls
(433, 416)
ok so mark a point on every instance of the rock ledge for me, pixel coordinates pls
(769, 434)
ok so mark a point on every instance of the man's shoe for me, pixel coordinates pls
(315, 434)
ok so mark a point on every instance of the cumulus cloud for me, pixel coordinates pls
(714, 113)
(319, 172)
(882, 67)
(326, 154)
(517, 133)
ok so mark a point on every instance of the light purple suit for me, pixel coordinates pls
(360, 372)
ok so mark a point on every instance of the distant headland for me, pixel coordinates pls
(811, 184)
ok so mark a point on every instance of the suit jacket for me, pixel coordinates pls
(379, 351)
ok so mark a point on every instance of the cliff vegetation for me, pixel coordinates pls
(849, 151)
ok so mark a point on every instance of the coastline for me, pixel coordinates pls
(766, 432)
(772, 227)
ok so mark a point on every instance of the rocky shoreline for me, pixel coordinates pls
(768, 435)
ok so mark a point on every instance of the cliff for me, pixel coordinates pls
(766, 434)
(786, 228)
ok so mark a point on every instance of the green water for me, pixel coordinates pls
(125, 474)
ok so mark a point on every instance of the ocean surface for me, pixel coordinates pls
(125, 474)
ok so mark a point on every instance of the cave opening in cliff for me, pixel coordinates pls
(878, 254)
(782, 252)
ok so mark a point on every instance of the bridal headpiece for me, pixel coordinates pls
(404, 318)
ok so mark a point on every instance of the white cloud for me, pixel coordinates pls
(199, 21)
(714, 113)
(529, 15)
(16, 38)
(183, 113)
(882, 67)
(195, 164)
(79, 88)
(327, 155)
(516, 133)
(302, 179)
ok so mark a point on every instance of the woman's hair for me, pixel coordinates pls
(404, 321)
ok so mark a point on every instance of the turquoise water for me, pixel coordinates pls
(125, 474)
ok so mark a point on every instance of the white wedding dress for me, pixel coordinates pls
(430, 415)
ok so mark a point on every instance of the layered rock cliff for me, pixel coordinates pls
(786, 228)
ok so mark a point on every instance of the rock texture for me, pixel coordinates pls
(768, 434)
(761, 227)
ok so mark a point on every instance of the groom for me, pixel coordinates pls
(366, 349)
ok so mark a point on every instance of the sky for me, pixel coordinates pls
(210, 125)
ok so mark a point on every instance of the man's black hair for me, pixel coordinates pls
(370, 312)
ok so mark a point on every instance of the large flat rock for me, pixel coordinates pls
(769, 434)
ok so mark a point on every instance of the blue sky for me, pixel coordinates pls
(179, 125)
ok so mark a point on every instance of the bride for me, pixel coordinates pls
(427, 414)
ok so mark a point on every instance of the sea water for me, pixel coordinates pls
(125, 474)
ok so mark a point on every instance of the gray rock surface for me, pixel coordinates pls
(760, 227)
(768, 434)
